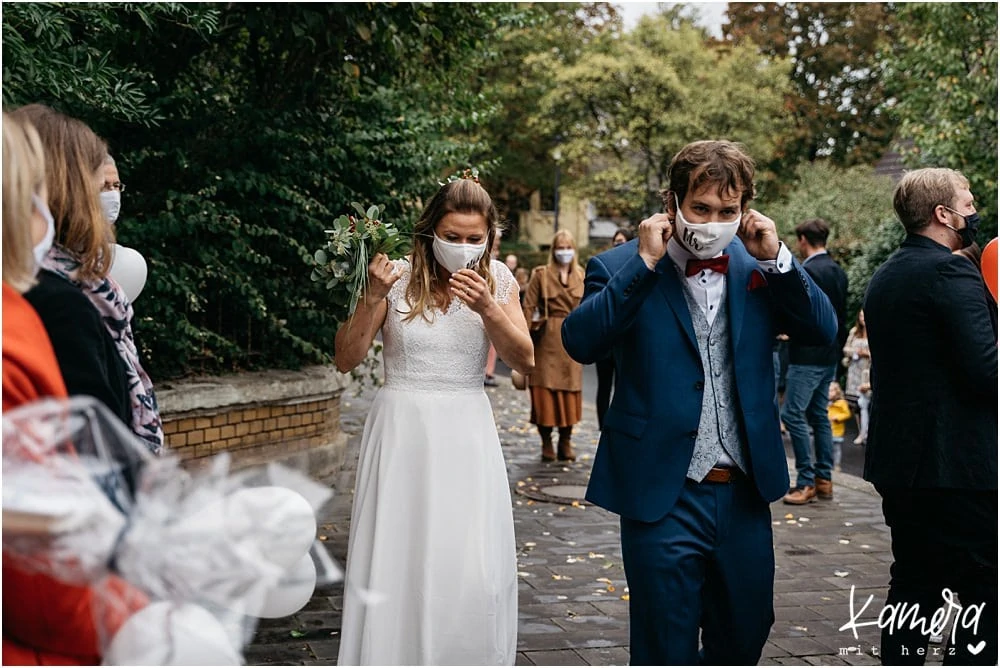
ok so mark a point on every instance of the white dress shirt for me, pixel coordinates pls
(707, 285)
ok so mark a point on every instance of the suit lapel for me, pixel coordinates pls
(670, 286)
(740, 267)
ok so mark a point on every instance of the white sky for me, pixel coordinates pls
(712, 13)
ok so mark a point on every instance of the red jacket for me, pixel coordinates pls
(46, 622)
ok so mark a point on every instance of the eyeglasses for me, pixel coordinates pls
(117, 185)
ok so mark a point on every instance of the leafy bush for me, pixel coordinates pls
(243, 131)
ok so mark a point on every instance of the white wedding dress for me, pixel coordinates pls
(431, 564)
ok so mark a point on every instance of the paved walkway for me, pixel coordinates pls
(573, 596)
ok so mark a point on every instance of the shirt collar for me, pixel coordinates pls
(819, 252)
(680, 255)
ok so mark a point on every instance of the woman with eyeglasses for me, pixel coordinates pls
(45, 622)
(87, 315)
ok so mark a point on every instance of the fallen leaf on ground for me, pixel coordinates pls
(789, 516)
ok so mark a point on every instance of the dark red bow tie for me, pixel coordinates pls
(719, 264)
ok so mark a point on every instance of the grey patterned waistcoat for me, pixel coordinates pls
(719, 427)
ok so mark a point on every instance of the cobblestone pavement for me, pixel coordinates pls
(573, 606)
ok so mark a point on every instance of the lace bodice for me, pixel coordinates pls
(447, 354)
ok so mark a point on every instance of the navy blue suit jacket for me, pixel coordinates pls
(642, 318)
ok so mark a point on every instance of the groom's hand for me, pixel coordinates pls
(654, 233)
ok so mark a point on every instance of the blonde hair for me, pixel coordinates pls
(73, 156)
(563, 235)
(919, 192)
(23, 176)
(460, 196)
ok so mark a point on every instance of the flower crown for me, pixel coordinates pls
(470, 173)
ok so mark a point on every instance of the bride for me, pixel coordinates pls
(431, 566)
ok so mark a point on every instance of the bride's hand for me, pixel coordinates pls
(381, 275)
(472, 289)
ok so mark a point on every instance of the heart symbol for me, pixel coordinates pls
(974, 650)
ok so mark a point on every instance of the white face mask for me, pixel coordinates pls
(704, 240)
(111, 202)
(42, 249)
(457, 256)
(564, 255)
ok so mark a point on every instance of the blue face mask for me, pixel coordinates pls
(967, 233)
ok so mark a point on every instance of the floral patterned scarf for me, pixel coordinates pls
(116, 313)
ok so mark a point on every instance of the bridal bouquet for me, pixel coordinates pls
(342, 263)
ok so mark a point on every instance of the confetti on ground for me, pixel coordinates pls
(844, 541)
(523, 574)
(529, 544)
(520, 483)
(572, 560)
(571, 542)
(546, 533)
(825, 598)
(866, 547)
(841, 574)
(790, 522)
(848, 524)
(561, 577)
(789, 516)
(625, 597)
(803, 519)
(604, 580)
(594, 555)
(561, 598)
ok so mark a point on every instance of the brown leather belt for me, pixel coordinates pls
(719, 474)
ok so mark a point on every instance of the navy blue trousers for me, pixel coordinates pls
(707, 567)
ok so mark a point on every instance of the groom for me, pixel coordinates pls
(691, 450)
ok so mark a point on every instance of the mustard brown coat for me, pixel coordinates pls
(554, 368)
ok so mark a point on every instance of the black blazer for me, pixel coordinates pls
(87, 357)
(934, 372)
(832, 280)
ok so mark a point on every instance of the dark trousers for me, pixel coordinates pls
(605, 378)
(942, 538)
(708, 565)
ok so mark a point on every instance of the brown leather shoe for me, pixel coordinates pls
(799, 496)
(824, 488)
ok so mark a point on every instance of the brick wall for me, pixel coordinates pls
(293, 417)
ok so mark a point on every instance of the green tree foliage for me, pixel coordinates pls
(630, 101)
(856, 203)
(62, 54)
(518, 79)
(942, 75)
(837, 94)
(268, 125)
(852, 200)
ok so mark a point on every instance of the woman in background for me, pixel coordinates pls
(86, 314)
(45, 622)
(859, 361)
(556, 384)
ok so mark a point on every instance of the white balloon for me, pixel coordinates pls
(292, 593)
(280, 520)
(171, 634)
(128, 268)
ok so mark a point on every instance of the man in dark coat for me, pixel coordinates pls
(932, 440)
(811, 369)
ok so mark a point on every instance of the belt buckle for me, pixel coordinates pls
(719, 474)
